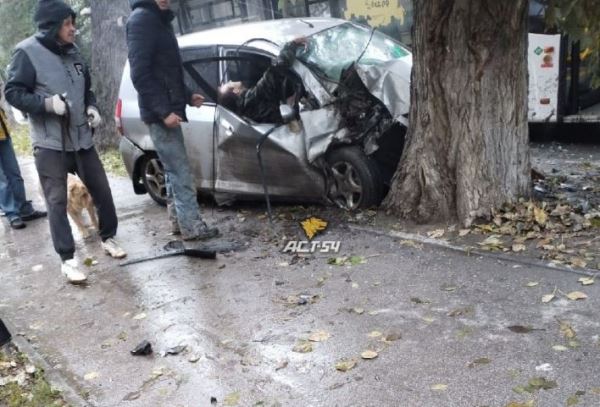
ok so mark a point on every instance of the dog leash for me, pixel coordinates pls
(66, 133)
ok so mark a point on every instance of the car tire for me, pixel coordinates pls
(153, 178)
(356, 182)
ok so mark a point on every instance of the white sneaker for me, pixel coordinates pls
(70, 269)
(112, 248)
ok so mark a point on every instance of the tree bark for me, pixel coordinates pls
(467, 145)
(109, 53)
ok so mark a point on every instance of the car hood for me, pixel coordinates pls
(390, 84)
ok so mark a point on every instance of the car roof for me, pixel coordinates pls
(279, 31)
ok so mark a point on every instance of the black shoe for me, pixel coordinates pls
(17, 223)
(205, 232)
(34, 215)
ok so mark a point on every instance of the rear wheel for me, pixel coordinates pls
(153, 177)
(356, 181)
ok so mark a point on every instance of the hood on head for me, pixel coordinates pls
(50, 14)
(141, 3)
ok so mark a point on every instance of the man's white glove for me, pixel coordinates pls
(55, 105)
(94, 118)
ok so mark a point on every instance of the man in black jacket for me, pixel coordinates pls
(261, 102)
(157, 75)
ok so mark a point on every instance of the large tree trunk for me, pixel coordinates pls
(109, 53)
(467, 146)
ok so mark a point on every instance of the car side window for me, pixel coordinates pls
(245, 67)
(202, 76)
(201, 71)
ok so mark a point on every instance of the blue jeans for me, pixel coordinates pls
(13, 202)
(171, 152)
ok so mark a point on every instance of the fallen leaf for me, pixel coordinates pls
(566, 329)
(530, 403)
(460, 311)
(391, 337)
(520, 329)
(448, 287)
(518, 247)
(355, 285)
(560, 348)
(312, 226)
(540, 216)
(91, 376)
(576, 295)
(319, 336)
(358, 311)
(436, 234)
(345, 364)
(547, 298)
(140, 316)
(374, 334)
(480, 361)
(532, 284)
(232, 399)
(439, 387)
(88, 262)
(369, 354)
(463, 232)
(418, 300)
(492, 243)
(586, 280)
(572, 400)
(428, 320)
(303, 347)
(578, 262)
(37, 268)
(537, 383)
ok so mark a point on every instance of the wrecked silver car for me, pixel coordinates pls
(342, 138)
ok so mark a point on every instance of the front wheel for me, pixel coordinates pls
(153, 177)
(356, 181)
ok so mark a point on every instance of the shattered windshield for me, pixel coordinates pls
(334, 49)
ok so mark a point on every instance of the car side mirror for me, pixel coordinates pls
(287, 113)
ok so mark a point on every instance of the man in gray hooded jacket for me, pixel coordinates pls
(48, 79)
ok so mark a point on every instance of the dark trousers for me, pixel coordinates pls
(53, 178)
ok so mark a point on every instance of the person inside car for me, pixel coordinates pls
(261, 102)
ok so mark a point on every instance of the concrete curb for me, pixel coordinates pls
(56, 380)
(469, 252)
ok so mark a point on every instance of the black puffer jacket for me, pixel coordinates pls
(155, 62)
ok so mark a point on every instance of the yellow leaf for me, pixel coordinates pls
(312, 226)
(369, 354)
(232, 399)
(586, 280)
(576, 295)
(375, 334)
(435, 234)
(578, 262)
(319, 336)
(540, 216)
(547, 298)
(529, 403)
(532, 283)
(358, 310)
(560, 348)
(567, 331)
(91, 376)
(439, 387)
(463, 232)
(345, 364)
(518, 247)
(303, 347)
(139, 316)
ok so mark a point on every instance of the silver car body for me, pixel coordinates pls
(221, 146)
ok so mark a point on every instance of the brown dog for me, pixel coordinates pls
(78, 199)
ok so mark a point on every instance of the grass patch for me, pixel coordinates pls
(35, 391)
(19, 134)
(112, 162)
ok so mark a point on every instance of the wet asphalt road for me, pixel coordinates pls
(239, 318)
